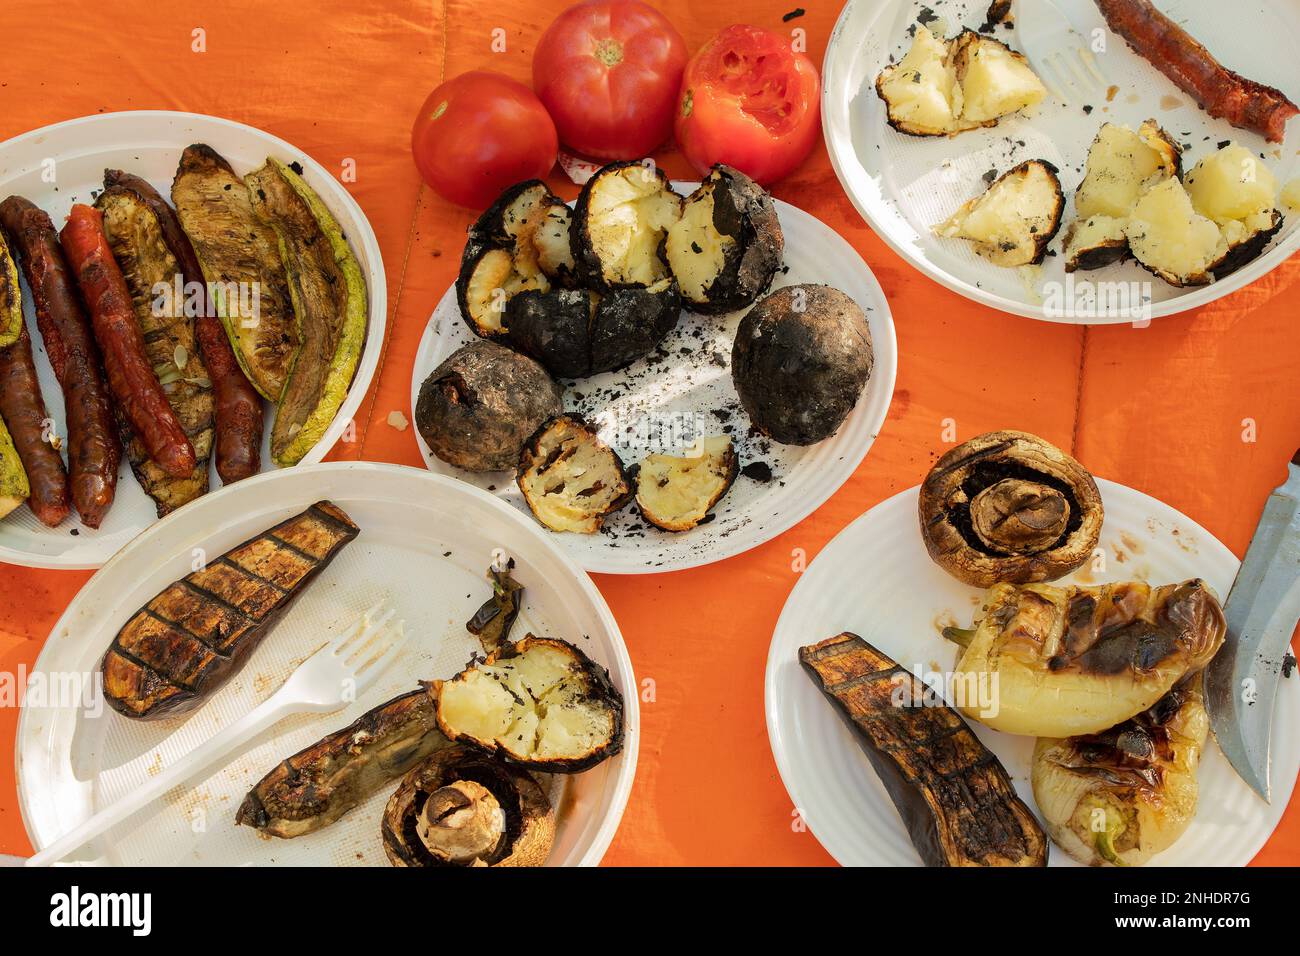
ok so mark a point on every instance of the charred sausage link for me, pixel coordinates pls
(93, 449)
(134, 384)
(238, 406)
(23, 411)
(1221, 92)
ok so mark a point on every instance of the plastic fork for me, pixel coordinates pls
(335, 675)
(1059, 53)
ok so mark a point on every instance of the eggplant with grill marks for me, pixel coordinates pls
(955, 798)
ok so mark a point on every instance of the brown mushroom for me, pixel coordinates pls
(463, 808)
(1009, 507)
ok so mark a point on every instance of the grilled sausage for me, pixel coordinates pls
(198, 632)
(93, 451)
(23, 411)
(238, 447)
(132, 379)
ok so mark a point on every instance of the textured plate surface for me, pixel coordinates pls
(876, 580)
(149, 144)
(903, 185)
(425, 543)
(684, 389)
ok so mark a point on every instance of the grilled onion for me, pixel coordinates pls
(1061, 661)
(1120, 796)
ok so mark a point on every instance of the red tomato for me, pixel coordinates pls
(608, 72)
(748, 100)
(479, 133)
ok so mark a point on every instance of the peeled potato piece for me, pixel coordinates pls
(1015, 219)
(676, 493)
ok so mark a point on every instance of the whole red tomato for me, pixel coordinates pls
(608, 72)
(748, 100)
(479, 133)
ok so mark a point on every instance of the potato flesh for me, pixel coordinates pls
(677, 492)
(496, 279)
(995, 83)
(1121, 165)
(1006, 222)
(532, 706)
(628, 214)
(1094, 232)
(554, 254)
(695, 248)
(1232, 185)
(576, 490)
(922, 90)
(1166, 234)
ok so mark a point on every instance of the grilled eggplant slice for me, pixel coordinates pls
(955, 798)
(198, 632)
(478, 408)
(11, 296)
(677, 493)
(14, 486)
(320, 783)
(461, 808)
(539, 703)
(800, 361)
(944, 88)
(1078, 660)
(1119, 797)
(1012, 223)
(571, 479)
(140, 248)
(329, 299)
(504, 256)
(240, 258)
(621, 222)
(1009, 507)
(728, 244)
(576, 333)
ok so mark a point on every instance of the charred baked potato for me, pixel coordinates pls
(727, 245)
(1012, 223)
(570, 479)
(800, 360)
(1238, 192)
(539, 703)
(620, 223)
(676, 493)
(476, 409)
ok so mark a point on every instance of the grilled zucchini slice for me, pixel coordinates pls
(11, 301)
(14, 487)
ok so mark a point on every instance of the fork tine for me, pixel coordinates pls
(1084, 83)
(363, 628)
(378, 631)
(1092, 66)
(1054, 84)
(374, 666)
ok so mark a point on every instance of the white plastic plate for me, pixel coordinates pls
(876, 580)
(684, 389)
(149, 144)
(903, 185)
(425, 544)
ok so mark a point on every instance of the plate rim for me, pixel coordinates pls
(626, 775)
(376, 301)
(839, 141)
(772, 714)
(806, 506)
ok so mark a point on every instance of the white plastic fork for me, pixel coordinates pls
(335, 675)
(1059, 53)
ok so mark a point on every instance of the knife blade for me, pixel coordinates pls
(1262, 611)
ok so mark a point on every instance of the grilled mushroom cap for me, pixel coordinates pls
(1009, 507)
(538, 703)
(463, 808)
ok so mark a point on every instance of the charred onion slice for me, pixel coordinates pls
(943, 88)
(1016, 217)
(727, 245)
(955, 798)
(1120, 796)
(462, 808)
(1074, 660)
(676, 493)
(539, 703)
(622, 218)
(478, 408)
(570, 478)
(1008, 506)
(502, 257)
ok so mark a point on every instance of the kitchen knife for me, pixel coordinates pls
(1262, 610)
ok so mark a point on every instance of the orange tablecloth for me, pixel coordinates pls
(1160, 408)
